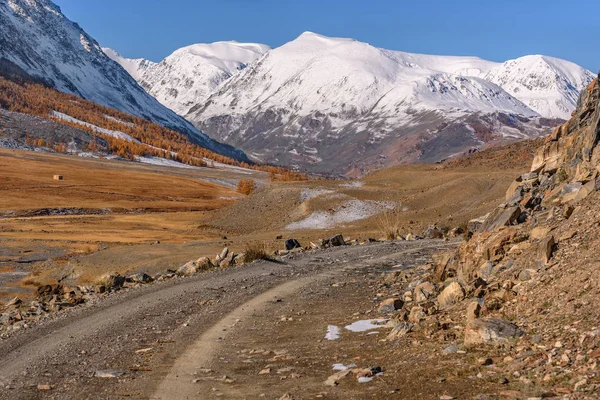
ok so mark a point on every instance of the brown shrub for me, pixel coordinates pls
(246, 186)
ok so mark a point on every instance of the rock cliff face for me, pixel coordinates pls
(529, 273)
(564, 172)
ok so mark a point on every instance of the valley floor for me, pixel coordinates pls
(237, 333)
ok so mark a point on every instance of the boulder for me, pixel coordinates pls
(452, 294)
(292, 244)
(473, 310)
(432, 232)
(390, 305)
(500, 217)
(474, 224)
(15, 301)
(490, 331)
(400, 330)
(337, 240)
(112, 280)
(204, 263)
(187, 269)
(222, 255)
(423, 291)
(228, 261)
(486, 271)
(417, 314)
(140, 277)
(545, 249)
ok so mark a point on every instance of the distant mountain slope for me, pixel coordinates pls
(189, 75)
(548, 85)
(36, 37)
(332, 103)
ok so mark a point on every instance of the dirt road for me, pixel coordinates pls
(161, 338)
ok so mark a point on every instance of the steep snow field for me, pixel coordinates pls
(548, 85)
(190, 74)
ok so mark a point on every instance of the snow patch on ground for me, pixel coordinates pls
(353, 184)
(342, 367)
(307, 194)
(333, 332)
(116, 134)
(366, 325)
(350, 211)
(163, 162)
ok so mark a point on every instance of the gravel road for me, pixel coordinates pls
(155, 336)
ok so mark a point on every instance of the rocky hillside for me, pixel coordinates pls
(524, 289)
(39, 40)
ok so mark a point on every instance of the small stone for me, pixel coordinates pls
(109, 373)
(485, 361)
(335, 379)
(446, 397)
(451, 349)
(44, 387)
(265, 371)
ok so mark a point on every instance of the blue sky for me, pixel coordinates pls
(494, 30)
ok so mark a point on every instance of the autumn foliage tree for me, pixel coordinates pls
(149, 139)
(246, 186)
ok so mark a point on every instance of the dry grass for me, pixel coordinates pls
(389, 223)
(254, 252)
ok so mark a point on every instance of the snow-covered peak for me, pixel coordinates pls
(548, 85)
(188, 76)
(315, 73)
(131, 65)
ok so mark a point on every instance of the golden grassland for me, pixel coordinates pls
(135, 217)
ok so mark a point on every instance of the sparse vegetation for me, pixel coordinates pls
(254, 252)
(246, 186)
(389, 223)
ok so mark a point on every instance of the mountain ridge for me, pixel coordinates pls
(37, 38)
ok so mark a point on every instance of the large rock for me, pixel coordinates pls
(390, 305)
(204, 263)
(490, 331)
(292, 244)
(545, 249)
(452, 294)
(222, 255)
(500, 217)
(112, 280)
(337, 240)
(400, 330)
(187, 269)
(423, 291)
(432, 232)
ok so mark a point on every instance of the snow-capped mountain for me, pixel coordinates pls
(548, 85)
(36, 37)
(189, 75)
(324, 103)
